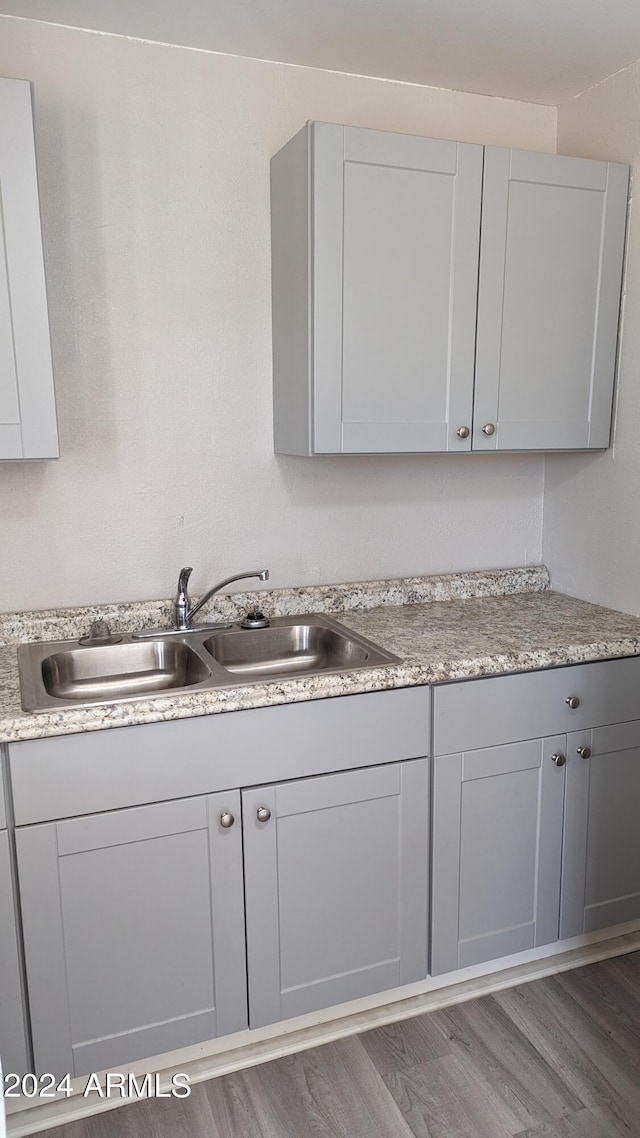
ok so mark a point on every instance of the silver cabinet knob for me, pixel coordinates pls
(489, 429)
(263, 813)
(559, 760)
(572, 701)
(226, 820)
(584, 752)
(463, 432)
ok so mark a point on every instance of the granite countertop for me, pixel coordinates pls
(505, 621)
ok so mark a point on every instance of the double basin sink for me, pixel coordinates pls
(68, 674)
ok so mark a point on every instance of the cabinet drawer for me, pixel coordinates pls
(504, 709)
(106, 770)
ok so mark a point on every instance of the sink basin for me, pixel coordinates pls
(68, 674)
(288, 649)
(114, 672)
(292, 647)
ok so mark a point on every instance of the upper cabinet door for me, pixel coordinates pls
(28, 426)
(374, 253)
(395, 248)
(549, 293)
(395, 252)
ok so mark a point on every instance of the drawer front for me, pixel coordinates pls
(129, 766)
(530, 705)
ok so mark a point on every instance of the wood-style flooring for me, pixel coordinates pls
(556, 1058)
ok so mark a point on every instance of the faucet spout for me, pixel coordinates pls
(185, 611)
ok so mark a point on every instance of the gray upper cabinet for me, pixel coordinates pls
(13, 1044)
(375, 264)
(336, 878)
(497, 849)
(549, 293)
(601, 866)
(28, 427)
(134, 931)
(378, 240)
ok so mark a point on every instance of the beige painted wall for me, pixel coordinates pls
(591, 533)
(154, 167)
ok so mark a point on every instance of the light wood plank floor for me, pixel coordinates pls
(557, 1058)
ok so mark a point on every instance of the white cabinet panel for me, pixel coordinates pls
(13, 1041)
(28, 426)
(391, 254)
(550, 272)
(375, 259)
(336, 888)
(601, 867)
(134, 932)
(497, 842)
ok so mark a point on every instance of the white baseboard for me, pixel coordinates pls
(248, 1048)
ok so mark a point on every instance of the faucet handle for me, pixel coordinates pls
(181, 601)
(183, 579)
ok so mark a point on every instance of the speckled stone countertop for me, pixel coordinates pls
(504, 621)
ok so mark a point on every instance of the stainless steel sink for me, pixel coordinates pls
(79, 675)
(287, 649)
(69, 674)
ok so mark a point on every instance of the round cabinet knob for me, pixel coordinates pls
(463, 432)
(584, 752)
(489, 429)
(572, 701)
(226, 820)
(559, 760)
(263, 813)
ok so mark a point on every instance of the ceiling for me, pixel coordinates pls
(543, 51)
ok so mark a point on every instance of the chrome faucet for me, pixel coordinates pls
(183, 608)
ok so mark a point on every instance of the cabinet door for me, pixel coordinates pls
(27, 406)
(601, 865)
(13, 1047)
(336, 888)
(134, 932)
(497, 850)
(395, 257)
(549, 294)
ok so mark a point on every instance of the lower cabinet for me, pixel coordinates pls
(149, 928)
(134, 932)
(13, 1044)
(497, 851)
(534, 839)
(601, 868)
(336, 879)
(134, 919)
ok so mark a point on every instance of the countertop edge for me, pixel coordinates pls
(386, 677)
